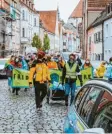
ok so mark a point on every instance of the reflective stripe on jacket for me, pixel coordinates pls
(71, 72)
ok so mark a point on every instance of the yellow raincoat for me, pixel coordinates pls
(100, 70)
(41, 72)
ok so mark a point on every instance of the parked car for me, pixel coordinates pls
(2, 71)
(92, 108)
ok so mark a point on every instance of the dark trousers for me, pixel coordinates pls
(16, 90)
(40, 93)
(80, 79)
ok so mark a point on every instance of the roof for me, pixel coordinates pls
(48, 19)
(98, 3)
(77, 13)
(102, 83)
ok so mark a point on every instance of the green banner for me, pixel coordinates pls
(86, 75)
(20, 78)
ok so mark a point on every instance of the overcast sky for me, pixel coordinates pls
(65, 6)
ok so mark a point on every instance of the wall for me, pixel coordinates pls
(107, 39)
(95, 47)
(52, 41)
(88, 18)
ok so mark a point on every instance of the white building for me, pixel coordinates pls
(75, 19)
(69, 38)
(29, 22)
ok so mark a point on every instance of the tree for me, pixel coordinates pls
(46, 45)
(37, 42)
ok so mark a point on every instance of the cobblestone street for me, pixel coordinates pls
(18, 113)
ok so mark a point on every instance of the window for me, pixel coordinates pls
(80, 98)
(94, 38)
(100, 36)
(105, 51)
(89, 40)
(23, 15)
(23, 32)
(109, 51)
(103, 118)
(107, 30)
(34, 21)
(89, 104)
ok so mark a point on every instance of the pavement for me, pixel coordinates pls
(18, 114)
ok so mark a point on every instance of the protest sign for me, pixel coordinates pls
(20, 78)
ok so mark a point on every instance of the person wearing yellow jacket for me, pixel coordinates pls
(42, 76)
(100, 71)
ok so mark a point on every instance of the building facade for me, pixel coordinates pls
(29, 23)
(10, 18)
(75, 19)
(107, 39)
(91, 10)
(95, 43)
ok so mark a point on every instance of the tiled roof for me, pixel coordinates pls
(59, 27)
(77, 13)
(98, 3)
(48, 19)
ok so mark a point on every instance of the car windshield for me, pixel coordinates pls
(2, 62)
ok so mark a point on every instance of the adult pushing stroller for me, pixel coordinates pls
(56, 91)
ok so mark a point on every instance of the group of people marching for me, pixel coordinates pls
(39, 65)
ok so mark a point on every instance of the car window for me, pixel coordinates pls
(104, 119)
(89, 103)
(106, 98)
(103, 116)
(79, 98)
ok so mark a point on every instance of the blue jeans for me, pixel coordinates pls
(70, 87)
(9, 81)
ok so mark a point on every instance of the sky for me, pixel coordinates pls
(66, 7)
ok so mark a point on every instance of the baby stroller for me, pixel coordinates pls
(56, 91)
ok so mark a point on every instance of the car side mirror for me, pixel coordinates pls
(94, 131)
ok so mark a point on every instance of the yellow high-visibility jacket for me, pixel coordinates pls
(41, 72)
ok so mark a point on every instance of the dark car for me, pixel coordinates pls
(92, 108)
